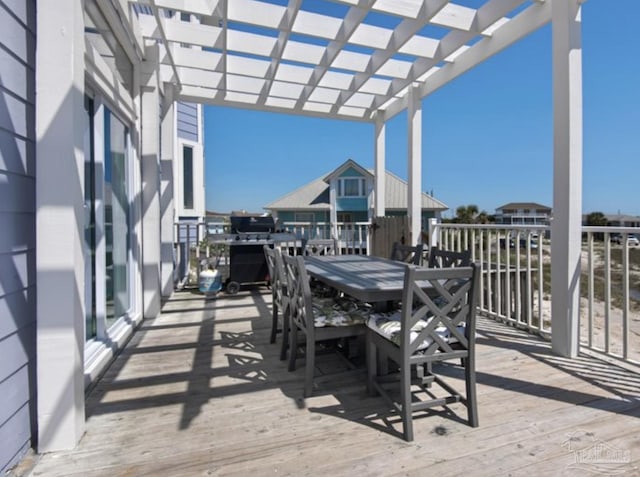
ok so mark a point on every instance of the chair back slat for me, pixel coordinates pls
(444, 301)
(445, 258)
(275, 266)
(407, 253)
(299, 292)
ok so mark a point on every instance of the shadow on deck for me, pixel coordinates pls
(200, 391)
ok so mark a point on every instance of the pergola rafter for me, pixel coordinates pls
(350, 59)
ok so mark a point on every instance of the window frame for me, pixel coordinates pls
(342, 188)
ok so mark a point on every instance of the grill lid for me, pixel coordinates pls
(252, 224)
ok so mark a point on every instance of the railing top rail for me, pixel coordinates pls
(289, 222)
(611, 229)
(495, 226)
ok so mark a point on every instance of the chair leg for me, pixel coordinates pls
(310, 364)
(274, 323)
(293, 345)
(285, 334)
(470, 384)
(407, 416)
(372, 368)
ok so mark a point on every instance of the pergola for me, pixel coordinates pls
(368, 60)
(357, 60)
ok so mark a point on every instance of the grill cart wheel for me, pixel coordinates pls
(232, 288)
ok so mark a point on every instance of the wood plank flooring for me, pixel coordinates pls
(200, 391)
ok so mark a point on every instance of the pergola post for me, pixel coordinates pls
(380, 166)
(150, 174)
(414, 202)
(60, 127)
(167, 193)
(566, 226)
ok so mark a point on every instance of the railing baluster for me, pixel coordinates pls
(591, 291)
(625, 298)
(607, 293)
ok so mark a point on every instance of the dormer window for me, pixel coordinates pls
(351, 187)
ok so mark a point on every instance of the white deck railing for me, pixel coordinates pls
(353, 237)
(516, 285)
(514, 262)
(516, 274)
(610, 320)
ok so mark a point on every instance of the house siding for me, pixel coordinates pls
(188, 121)
(290, 216)
(17, 230)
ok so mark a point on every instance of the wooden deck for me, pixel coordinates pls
(200, 391)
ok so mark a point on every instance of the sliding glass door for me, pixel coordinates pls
(116, 218)
(107, 222)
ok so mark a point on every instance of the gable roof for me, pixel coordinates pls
(524, 205)
(315, 194)
(348, 164)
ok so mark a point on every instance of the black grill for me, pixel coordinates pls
(247, 264)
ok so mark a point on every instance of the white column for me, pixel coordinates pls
(167, 195)
(380, 167)
(60, 123)
(567, 176)
(333, 213)
(150, 170)
(414, 199)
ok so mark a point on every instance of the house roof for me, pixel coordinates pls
(622, 218)
(523, 205)
(315, 195)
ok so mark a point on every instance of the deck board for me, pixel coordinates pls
(200, 391)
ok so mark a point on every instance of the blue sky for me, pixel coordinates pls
(487, 136)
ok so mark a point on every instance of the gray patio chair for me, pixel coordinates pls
(320, 247)
(279, 295)
(407, 253)
(318, 319)
(436, 323)
(445, 258)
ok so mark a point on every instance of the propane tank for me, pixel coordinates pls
(210, 281)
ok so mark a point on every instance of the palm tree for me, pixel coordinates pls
(597, 219)
(466, 214)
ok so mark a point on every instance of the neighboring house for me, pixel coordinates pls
(346, 195)
(523, 213)
(619, 220)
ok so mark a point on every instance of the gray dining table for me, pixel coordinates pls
(364, 277)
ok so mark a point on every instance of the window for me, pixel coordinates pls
(351, 187)
(187, 179)
(306, 217)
